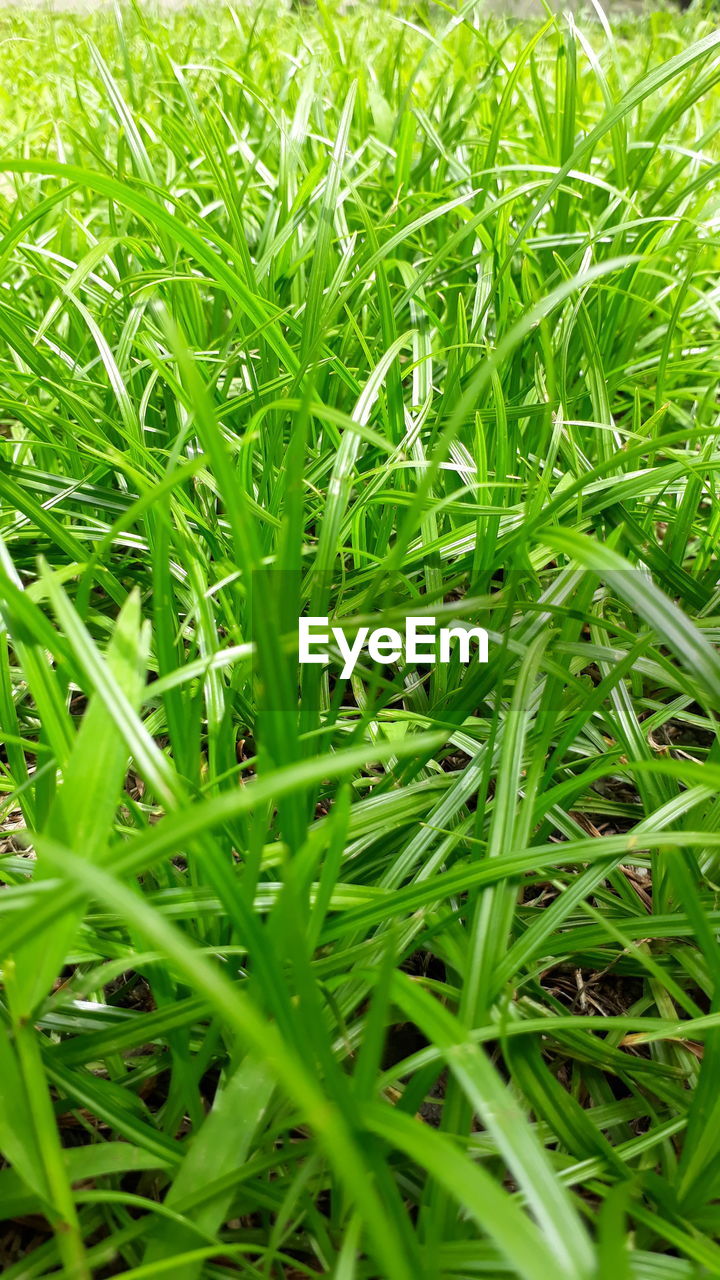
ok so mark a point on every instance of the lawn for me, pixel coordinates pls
(363, 311)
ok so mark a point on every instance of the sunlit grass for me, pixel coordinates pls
(389, 308)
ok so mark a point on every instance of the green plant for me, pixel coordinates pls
(421, 977)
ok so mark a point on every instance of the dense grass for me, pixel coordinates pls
(423, 978)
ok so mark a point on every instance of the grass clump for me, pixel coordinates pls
(391, 308)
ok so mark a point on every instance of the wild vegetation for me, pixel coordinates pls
(380, 307)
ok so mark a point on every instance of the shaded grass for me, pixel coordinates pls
(388, 310)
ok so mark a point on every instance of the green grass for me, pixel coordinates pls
(395, 308)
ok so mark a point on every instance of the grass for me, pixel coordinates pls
(395, 309)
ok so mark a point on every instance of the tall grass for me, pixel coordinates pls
(388, 308)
